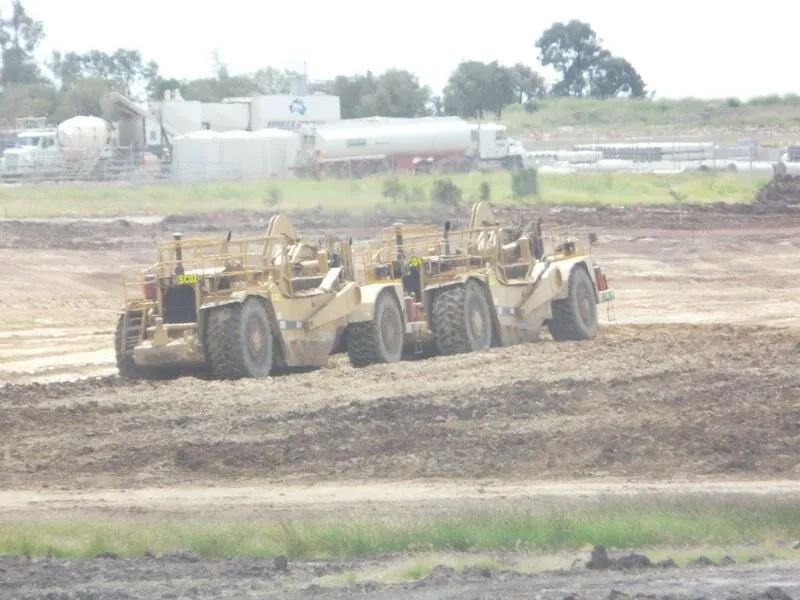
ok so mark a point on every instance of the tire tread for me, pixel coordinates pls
(566, 324)
(363, 339)
(223, 346)
(449, 329)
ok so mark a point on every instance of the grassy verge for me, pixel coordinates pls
(363, 195)
(618, 524)
(621, 115)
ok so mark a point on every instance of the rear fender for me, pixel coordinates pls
(565, 268)
(365, 311)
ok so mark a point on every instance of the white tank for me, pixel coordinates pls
(82, 137)
(374, 138)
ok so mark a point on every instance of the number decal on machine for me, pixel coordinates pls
(187, 279)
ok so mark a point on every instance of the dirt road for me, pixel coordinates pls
(366, 498)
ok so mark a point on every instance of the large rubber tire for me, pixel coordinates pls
(126, 366)
(575, 317)
(462, 319)
(379, 340)
(239, 340)
(125, 363)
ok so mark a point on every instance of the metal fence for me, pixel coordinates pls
(123, 169)
(137, 169)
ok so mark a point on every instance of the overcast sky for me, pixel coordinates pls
(699, 48)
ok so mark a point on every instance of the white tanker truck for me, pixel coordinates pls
(76, 144)
(445, 144)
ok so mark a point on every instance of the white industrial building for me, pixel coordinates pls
(252, 137)
(206, 155)
(280, 111)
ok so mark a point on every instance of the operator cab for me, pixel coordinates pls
(41, 139)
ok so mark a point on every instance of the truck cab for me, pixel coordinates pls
(33, 149)
(491, 143)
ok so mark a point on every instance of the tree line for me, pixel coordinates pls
(71, 83)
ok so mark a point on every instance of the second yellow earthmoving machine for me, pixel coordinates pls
(488, 285)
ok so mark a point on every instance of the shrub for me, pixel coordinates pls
(530, 106)
(392, 188)
(769, 100)
(486, 191)
(445, 192)
(733, 102)
(274, 196)
(524, 182)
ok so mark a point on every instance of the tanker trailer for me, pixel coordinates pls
(363, 146)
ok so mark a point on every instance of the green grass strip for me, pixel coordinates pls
(619, 524)
(349, 197)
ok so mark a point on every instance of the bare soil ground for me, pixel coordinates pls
(185, 576)
(63, 278)
(695, 380)
(641, 401)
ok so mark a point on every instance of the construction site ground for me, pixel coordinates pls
(693, 385)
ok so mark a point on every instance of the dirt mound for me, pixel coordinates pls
(94, 234)
(646, 401)
(73, 235)
(780, 193)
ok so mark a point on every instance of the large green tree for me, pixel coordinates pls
(395, 93)
(27, 100)
(20, 35)
(350, 91)
(615, 76)
(586, 69)
(475, 88)
(83, 97)
(124, 70)
(527, 83)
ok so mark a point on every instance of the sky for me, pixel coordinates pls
(700, 48)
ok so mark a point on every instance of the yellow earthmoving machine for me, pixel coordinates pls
(462, 291)
(239, 307)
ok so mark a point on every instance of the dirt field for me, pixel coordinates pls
(183, 576)
(643, 401)
(701, 266)
(695, 381)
